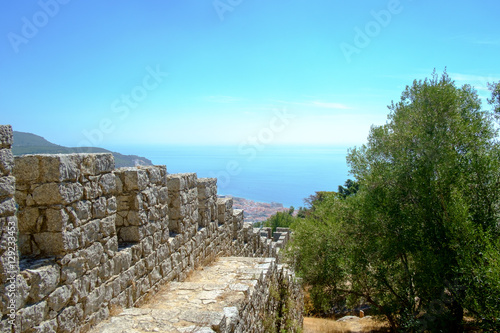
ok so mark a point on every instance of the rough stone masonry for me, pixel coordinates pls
(80, 240)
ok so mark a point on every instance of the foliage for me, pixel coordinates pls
(351, 188)
(419, 240)
(279, 220)
(495, 98)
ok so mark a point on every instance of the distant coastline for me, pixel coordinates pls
(255, 211)
(285, 174)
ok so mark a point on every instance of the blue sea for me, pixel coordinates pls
(283, 174)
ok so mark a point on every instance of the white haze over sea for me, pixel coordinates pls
(284, 174)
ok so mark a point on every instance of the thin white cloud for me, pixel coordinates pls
(318, 104)
(482, 40)
(488, 41)
(223, 99)
(480, 82)
(331, 105)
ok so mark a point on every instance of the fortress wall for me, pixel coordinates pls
(66, 202)
(94, 239)
(275, 304)
(207, 201)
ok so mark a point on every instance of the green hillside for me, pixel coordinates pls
(28, 143)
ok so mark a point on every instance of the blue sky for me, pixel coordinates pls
(111, 73)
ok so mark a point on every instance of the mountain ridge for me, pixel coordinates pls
(29, 143)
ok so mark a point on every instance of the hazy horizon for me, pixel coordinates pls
(224, 72)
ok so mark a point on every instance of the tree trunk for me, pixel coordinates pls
(457, 314)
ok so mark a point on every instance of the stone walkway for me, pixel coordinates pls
(210, 298)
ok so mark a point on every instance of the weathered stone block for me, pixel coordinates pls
(163, 195)
(56, 243)
(136, 202)
(32, 316)
(147, 245)
(106, 270)
(111, 246)
(154, 276)
(48, 326)
(108, 183)
(82, 210)
(25, 246)
(7, 186)
(104, 163)
(123, 203)
(151, 196)
(26, 169)
(43, 281)
(6, 162)
(99, 207)
(54, 194)
(92, 189)
(193, 196)
(111, 206)
(137, 218)
(27, 220)
(131, 234)
(67, 320)
(6, 136)
(133, 178)
(7, 207)
(59, 167)
(107, 226)
(23, 291)
(176, 182)
(57, 219)
(118, 182)
(60, 297)
(95, 164)
(73, 270)
(157, 174)
(122, 262)
(206, 186)
(92, 255)
(90, 232)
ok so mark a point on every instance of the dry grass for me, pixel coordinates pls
(367, 324)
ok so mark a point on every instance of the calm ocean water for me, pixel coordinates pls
(285, 174)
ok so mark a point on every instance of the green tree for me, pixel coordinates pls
(420, 239)
(495, 98)
(350, 187)
(280, 220)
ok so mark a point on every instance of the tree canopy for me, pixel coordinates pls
(418, 239)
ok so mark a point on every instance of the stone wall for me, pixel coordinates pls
(232, 294)
(275, 304)
(94, 239)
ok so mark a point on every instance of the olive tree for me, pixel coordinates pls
(419, 241)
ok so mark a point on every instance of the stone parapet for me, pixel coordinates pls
(94, 239)
(207, 201)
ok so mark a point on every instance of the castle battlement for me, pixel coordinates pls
(81, 238)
